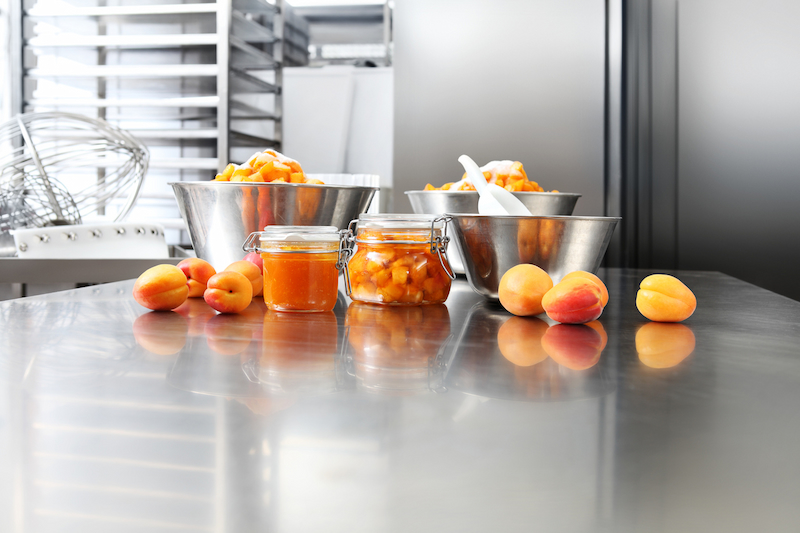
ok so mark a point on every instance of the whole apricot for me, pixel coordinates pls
(197, 273)
(661, 345)
(522, 288)
(576, 347)
(575, 300)
(589, 275)
(161, 288)
(255, 258)
(520, 340)
(251, 272)
(229, 292)
(664, 298)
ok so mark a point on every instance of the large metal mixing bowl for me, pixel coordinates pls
(221, 215)
(559, 245)
(439, 202)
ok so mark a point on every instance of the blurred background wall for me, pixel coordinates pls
(739, 140)
(514, 79)
(710, 124)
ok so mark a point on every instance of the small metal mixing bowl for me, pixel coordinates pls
(538, 203)
(559, 245)
(221, 215)
(438, 202)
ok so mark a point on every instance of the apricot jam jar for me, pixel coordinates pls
(301, 266)
(399, 260)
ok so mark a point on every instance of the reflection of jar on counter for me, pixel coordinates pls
(298, 353)
(300, 266)
(396, 348)
(400, 260)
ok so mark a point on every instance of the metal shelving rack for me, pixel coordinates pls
(189, 79)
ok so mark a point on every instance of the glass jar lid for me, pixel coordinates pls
(404, 221)
(299, 234)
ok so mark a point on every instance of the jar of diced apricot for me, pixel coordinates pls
(301, 266)
(399, 260)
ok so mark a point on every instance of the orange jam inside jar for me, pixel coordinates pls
(395, 264)
(300, 267)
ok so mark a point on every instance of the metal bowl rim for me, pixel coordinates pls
(202, 184)
(513, 192)
(536, 217)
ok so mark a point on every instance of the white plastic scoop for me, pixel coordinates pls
(494, 200)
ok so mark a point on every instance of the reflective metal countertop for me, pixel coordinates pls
(455, 417)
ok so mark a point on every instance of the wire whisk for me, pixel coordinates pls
(58, 168)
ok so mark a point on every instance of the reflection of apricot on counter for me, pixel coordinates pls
(598, 327)
(160, 333)
(520, 340)
(253, 316)
(228, 334)
(577, 347)
(268, 406)
(662, 345)
(197, 312)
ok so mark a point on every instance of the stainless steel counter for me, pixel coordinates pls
(115, 419)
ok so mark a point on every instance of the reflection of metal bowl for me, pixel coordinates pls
(559, 245)
(485, 371)
(440, 202)
(221, 215)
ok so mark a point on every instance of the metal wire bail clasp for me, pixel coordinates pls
(346, 243)
(250, 244)
(439, 244)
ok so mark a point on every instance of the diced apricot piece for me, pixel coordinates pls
(242, 171)
(522, 288)
(664, 298)
(296, 177)
(399, 275)
(228, 171)
(573, 301)
(593, 277)
(265, 170)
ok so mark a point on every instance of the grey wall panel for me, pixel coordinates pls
(500, 79)
(739, 135)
